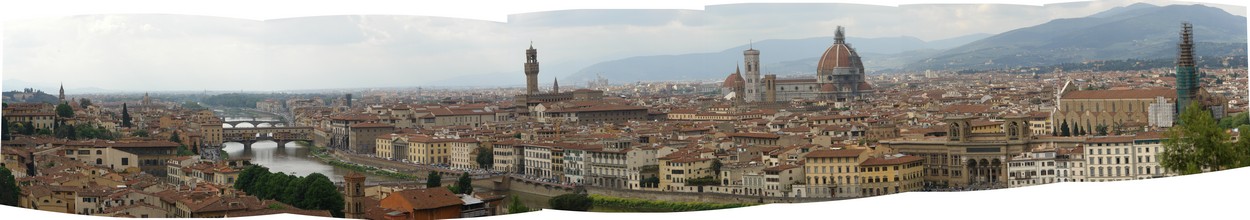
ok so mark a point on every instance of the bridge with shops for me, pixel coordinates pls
(280, 135)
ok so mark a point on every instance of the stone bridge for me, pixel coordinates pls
(256, 123)
(281, 135)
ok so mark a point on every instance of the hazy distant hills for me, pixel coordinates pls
(1139, 31)
(783, 57)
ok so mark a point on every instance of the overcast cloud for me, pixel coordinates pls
(184, 52)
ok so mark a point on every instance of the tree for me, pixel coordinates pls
(64, 110)
(183, 151)
(464, 185)
(1235, 120)
(433, 180)
(84, 103)
(1076, 130)
(1065, 130)
(125, 116)
(1196, 144)
(28, 128)
(294, 190)
(515, 205)
(571, 202)
(716, 166)
(8, 188)
(249, 176)
(1101, 129)
(651, 182)
(139, 133)
(485, 158)
(1242, 146)
(174, 137)
(323, 195)
(5, 129)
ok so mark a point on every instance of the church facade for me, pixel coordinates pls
(839, 77)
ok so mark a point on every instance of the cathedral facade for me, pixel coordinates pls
(839, 77)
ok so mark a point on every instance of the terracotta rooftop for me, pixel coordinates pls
(430, 198)
(1121, 94)
(877, 161)
(825, 153)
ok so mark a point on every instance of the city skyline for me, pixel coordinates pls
(82, 50)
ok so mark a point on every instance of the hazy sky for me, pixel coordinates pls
(154, 52)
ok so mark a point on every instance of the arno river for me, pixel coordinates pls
(297, 160)
(292, 159)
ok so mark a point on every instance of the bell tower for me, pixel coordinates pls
(354, 193)
(531, 70)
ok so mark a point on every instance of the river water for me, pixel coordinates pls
(297, 159)
(293, 158)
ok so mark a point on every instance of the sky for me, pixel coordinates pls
(239, 45)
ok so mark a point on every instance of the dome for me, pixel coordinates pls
(827, 87)
(734, 81)
(839, 55)
(864, 86)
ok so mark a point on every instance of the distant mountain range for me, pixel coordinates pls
(781, 56)
(1138, 31)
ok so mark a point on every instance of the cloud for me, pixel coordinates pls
(183, 52)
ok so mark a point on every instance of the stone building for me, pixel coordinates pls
(839, 77)
(533, 97)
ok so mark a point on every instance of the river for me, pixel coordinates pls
(293, 158)
(296, 159)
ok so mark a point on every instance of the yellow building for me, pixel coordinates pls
(891, 174)
(463, 153)
(833, 173)
(675, 170)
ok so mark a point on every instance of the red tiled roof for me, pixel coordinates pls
(877, 161)
(430, 198)
(1121, 94)
(755, 135)
(834, 153)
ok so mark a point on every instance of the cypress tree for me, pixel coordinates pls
(125, 116)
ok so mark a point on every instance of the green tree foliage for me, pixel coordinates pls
(664, 206)
(485, 158)
(192, 106)
(322, 195)
(702, 181)
(174, 137)
(1242, 146)
(83, 103)
(433, 180)
(516, 206)
(1101, 129)
(1197, 143)
(5, 129)
(8, 188)
(716, 166)
(183, 151)
(93, 131)
(571, 202)
(314, 192)
(651, 182)
(1076, 130)
(248, 176)
(237, 100)
(1234, 121)
(126, 116)
(28, 128)
(64, 110)
(464, 185)
(139, 133)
